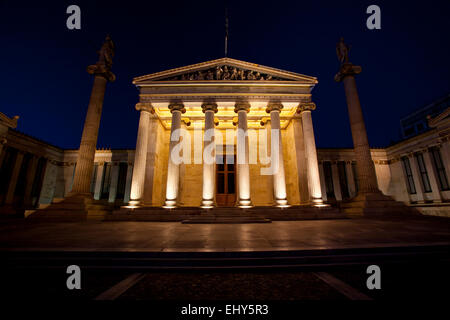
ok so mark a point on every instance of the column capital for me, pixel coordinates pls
(208, 106)
(306, 106)
(145, 106)
(242, 106)
(347, 69)
(177, 107)
(101, 70)
(274, 107)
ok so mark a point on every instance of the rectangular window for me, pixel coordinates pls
(328, 179)
(355, 176)
(409, 176)
(106, 181)
(423, 173)
(440, 169)
(343, 179)
(122, 180)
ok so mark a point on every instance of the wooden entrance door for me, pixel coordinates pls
(226, 181)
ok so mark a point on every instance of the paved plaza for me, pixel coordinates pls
(174, 236)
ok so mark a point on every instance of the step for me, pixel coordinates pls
(222, 220)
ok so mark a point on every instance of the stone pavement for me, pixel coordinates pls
(174, 236)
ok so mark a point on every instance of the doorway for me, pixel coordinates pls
(226, 180)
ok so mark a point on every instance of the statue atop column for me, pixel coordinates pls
(342, 51)
(104, 63)
(106, 52)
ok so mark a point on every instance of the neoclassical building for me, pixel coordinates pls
(208, 137)
(242, 104)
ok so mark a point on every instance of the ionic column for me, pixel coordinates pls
(86, 153)
(173, 169)
(276, 154)
(315, 191)
(242, 156)
(209, 156)
(14, 176)
(140, 156)
(365, 167)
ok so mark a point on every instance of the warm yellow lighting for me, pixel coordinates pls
(225, 116)
(130, 207)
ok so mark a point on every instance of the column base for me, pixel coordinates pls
(133, 204)
(375, 204)
(74, 207)
(170, 204)
(318, 202)
(245, 203)
(281, 203)
(207, 204)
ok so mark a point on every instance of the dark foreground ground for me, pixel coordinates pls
(298, 260)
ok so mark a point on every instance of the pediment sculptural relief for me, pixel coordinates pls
(223, 73)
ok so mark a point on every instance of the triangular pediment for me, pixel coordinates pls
(225, 69)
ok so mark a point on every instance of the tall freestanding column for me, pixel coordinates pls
(369, 199)
(364, 164)
(85, 162)
(276, 152)
(209, 156)
(242, 156)
(173, 169)
(140, 157)
(315, 191)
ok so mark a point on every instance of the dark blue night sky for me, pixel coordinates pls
(43, 64)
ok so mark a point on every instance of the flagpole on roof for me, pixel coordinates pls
(226, 30)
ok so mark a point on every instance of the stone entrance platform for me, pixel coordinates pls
(225, 215)
(38, 235)
(101, 212)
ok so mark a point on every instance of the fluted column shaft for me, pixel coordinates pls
(279, 180)
(364, 165)
(242, 156)
(209, 157)
(315, 191)
(86, 153)
(85, 161)
(173, 169)
(140, 156)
